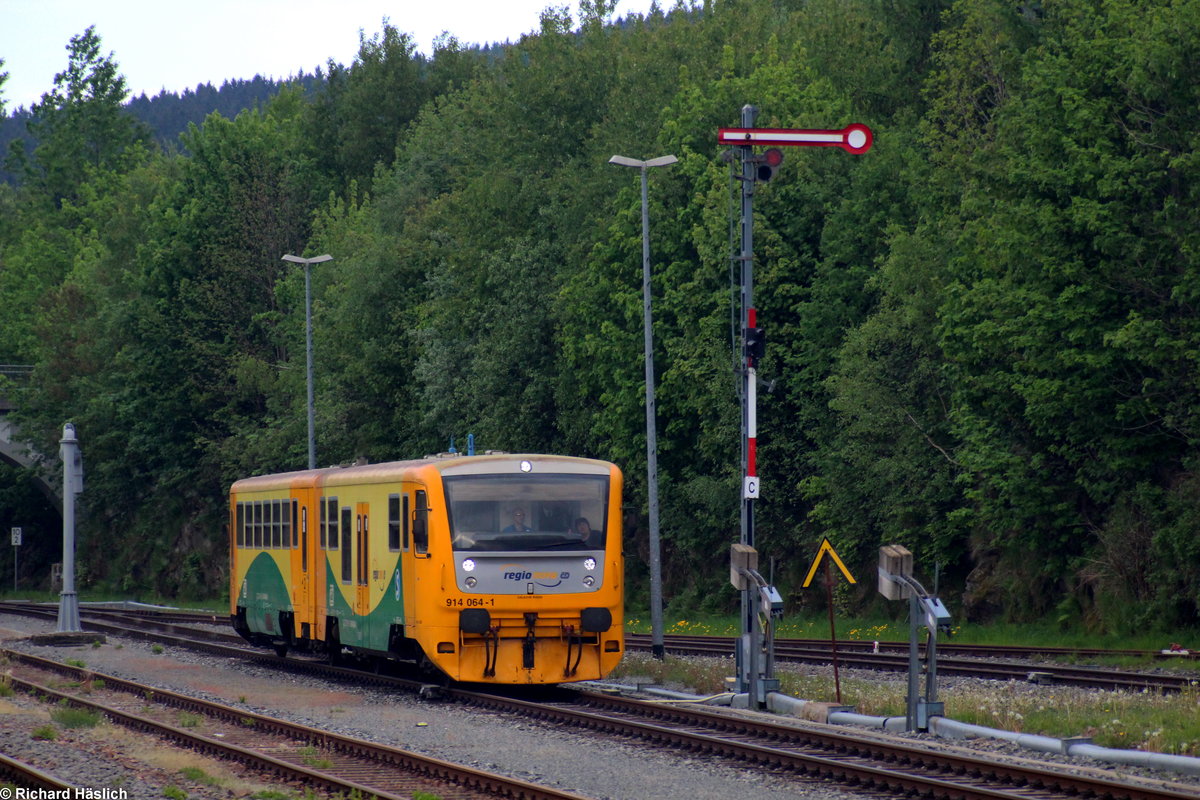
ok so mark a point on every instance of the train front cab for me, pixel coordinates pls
(508, 606)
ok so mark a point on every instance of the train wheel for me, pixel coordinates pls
(281, 649)
(333, 642)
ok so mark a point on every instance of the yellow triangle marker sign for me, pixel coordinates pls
(826, 547)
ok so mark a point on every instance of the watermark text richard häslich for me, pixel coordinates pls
(76, 793)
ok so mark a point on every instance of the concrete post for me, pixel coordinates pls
(72, 460)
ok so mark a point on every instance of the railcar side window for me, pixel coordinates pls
(322, 523)
(332, 511)
(241, 524)
(257, 526)
(304, 539)
(286, 524)
(266, 524)
(276, 524)
(393, 522)
(421, 524)
(347, 525)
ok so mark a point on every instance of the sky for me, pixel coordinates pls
(173, 45)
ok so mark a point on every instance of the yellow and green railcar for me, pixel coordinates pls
(494, 568)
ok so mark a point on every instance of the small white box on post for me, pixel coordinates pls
(895, 561)
(742, 557)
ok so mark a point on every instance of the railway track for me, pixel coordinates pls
(26, 775)
(893, 657)
(887, 766)
(1038, 664)
(296, 753)
(879, 764)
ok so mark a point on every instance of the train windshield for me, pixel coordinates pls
(527, 512)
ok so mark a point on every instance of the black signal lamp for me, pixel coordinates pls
(756, 344)
(768, 164)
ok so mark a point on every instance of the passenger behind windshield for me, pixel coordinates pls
(518, 522)
(591, 538)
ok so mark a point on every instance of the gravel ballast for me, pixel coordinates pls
(568, 759)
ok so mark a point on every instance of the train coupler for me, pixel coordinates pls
(529, 645)
(573, 641)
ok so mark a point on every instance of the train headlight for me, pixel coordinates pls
(468, 565)
(470, 582)
(589, 564)
(589, 581)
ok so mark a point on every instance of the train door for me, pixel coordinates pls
(414, 549)
(302, 573)
(362, 583)
(324, 548)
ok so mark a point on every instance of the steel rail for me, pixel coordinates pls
(1090, 677)
(800, 651)
(957, 648)
(27, 775)
(450, 780)
(869, 762)
(769, 734)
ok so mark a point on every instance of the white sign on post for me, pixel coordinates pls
(16, 537)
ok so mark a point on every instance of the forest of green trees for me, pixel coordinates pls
(983, 333)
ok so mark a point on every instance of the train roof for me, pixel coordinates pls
(396, 470)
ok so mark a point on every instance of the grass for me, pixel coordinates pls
(190, 766)
(75, 717)
(1143, 720)
(47, 733)
(198, 775)
(312, 757)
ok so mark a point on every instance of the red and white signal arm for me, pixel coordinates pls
(856, 138)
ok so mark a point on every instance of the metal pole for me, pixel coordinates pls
(656, 612)
(308, 346)
(931, 666)
(68, 606)
(837, 677)
(751, 636)
(308, 349)
(914, 663)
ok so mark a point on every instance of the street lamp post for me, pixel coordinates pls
(308, 346)
(656, 620)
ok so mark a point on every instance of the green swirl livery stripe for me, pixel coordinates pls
(372, 629)
(264, 593)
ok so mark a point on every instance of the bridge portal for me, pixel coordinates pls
(16, 452)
